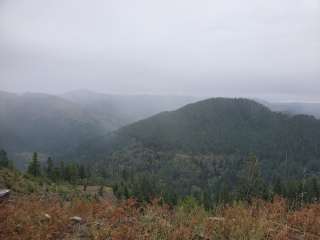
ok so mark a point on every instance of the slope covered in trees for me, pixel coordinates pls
(205, 147)
(44, 123)
(45, 207)
(57, 124)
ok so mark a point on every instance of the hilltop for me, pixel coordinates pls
(205, 144)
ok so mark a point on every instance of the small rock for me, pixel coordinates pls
(4, 194)
(47, 216)
(18, 228)
(98, 224)
(199, 236)
(76, 219)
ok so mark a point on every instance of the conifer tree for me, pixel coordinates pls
(101, 191)
(34, 166)
(4, 161)
(315, 189)
(251, 183)
(62, 171)
(50, 168)
(82, 172)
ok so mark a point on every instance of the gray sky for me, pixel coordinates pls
(262, 48)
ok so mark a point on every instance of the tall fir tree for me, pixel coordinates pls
(4, 161)
(34, 166)
(82, 172)
(251, 182)
(50, 168)
(315, 189)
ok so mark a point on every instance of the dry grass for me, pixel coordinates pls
(24, 218)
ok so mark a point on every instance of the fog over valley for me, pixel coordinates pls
(75, 71)
(171, 119)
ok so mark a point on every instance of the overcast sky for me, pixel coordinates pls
(261, 48)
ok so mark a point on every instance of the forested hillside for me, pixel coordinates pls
(56, 125)
(207, 146)
(44, 123)
(57, 203)
(201, 147)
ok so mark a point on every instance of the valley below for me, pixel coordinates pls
(219, 168)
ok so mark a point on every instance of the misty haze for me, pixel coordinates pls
(159, 119)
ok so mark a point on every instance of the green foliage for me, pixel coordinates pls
(101, 191)
(4, 161)
(34, 167)
(50, 168)
(188, 203)
(251, 183)
(203, 150)
(20, 183)
(82, 172)
(63, 172)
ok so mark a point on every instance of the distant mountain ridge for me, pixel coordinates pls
(127, 108)
(44, 123)
(295, 108)
(56, 125)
